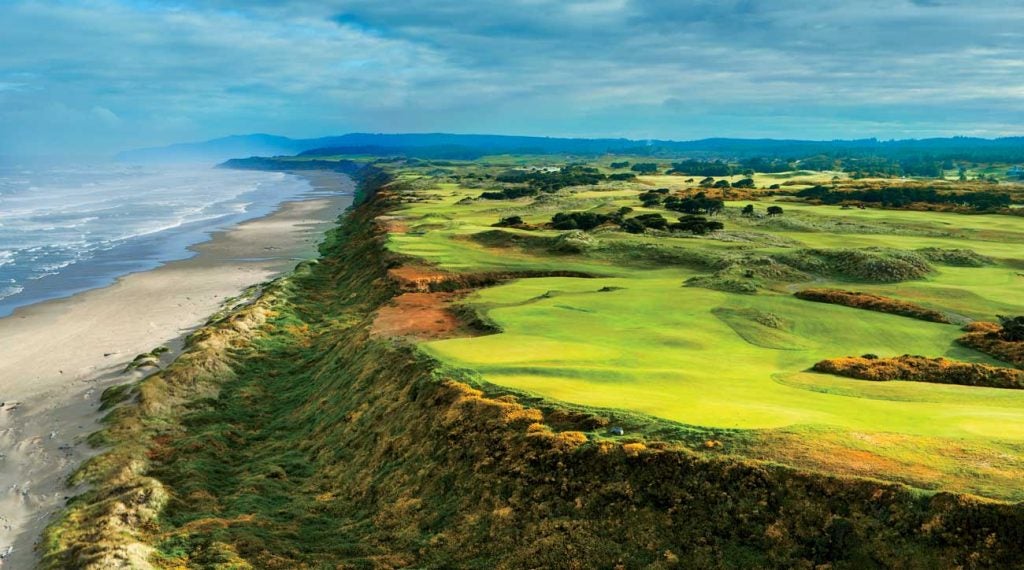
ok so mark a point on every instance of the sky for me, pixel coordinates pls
(98, 76)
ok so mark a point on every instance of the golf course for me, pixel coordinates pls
(640, 337)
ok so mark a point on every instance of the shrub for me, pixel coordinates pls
(574, 242)
(509, 222)
(1013, 328)
(901, 197)
(872, 302)
(921, 369)
(698, 204)
(989, 338)
(650, 198)
(955, 257)
(509, 194)
(869, 264)
(539, 181)
(645, 167)
(697, 225)
(578, 220)
(655, 221)
(633, 226)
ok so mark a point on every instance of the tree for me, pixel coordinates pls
(748, 210)
(774, 210)
(744, 183)
(650, 198)
(618, 165)
(707, 182)
(645, 167)
(633, 226)
(655, 221)
(578, 220)
(510, 221)
(723, 183)
(697, 225)
(1013, 328)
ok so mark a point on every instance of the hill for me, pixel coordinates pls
(469, 146)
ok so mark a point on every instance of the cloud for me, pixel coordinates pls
(139, 72)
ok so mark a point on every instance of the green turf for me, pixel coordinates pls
(702, 357)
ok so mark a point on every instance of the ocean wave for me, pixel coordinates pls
(52, 220)
(10, 290)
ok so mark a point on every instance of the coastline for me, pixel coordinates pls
(57, 357)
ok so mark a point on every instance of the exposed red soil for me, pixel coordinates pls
(393, 224)
(417, 278)
(422, 316)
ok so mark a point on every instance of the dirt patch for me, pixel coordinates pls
(417, 278)
(422, 316)
(393, 224)
(422, 279)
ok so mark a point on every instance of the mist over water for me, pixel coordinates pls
(70, 227)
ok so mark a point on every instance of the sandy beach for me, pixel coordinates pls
(57, 357)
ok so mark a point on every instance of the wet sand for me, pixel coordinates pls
(57, 357)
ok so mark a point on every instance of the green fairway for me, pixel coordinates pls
(655, 347)
(635, 338)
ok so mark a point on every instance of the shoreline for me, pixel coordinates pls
(57, 356)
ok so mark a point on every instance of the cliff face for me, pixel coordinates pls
(288, 436)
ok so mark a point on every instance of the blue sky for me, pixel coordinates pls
(96, 76)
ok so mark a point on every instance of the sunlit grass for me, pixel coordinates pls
(652, 346)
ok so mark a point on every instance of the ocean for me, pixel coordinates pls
(70, 228)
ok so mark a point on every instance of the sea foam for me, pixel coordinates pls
(67, 228)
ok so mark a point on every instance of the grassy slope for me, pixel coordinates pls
(288, 438)
(656, 348)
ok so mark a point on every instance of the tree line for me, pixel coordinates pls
(897, 197)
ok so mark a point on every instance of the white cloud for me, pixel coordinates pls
(137, 73)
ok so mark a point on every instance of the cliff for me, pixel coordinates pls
(290, 436)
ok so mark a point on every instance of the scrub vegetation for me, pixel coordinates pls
(489, 366)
